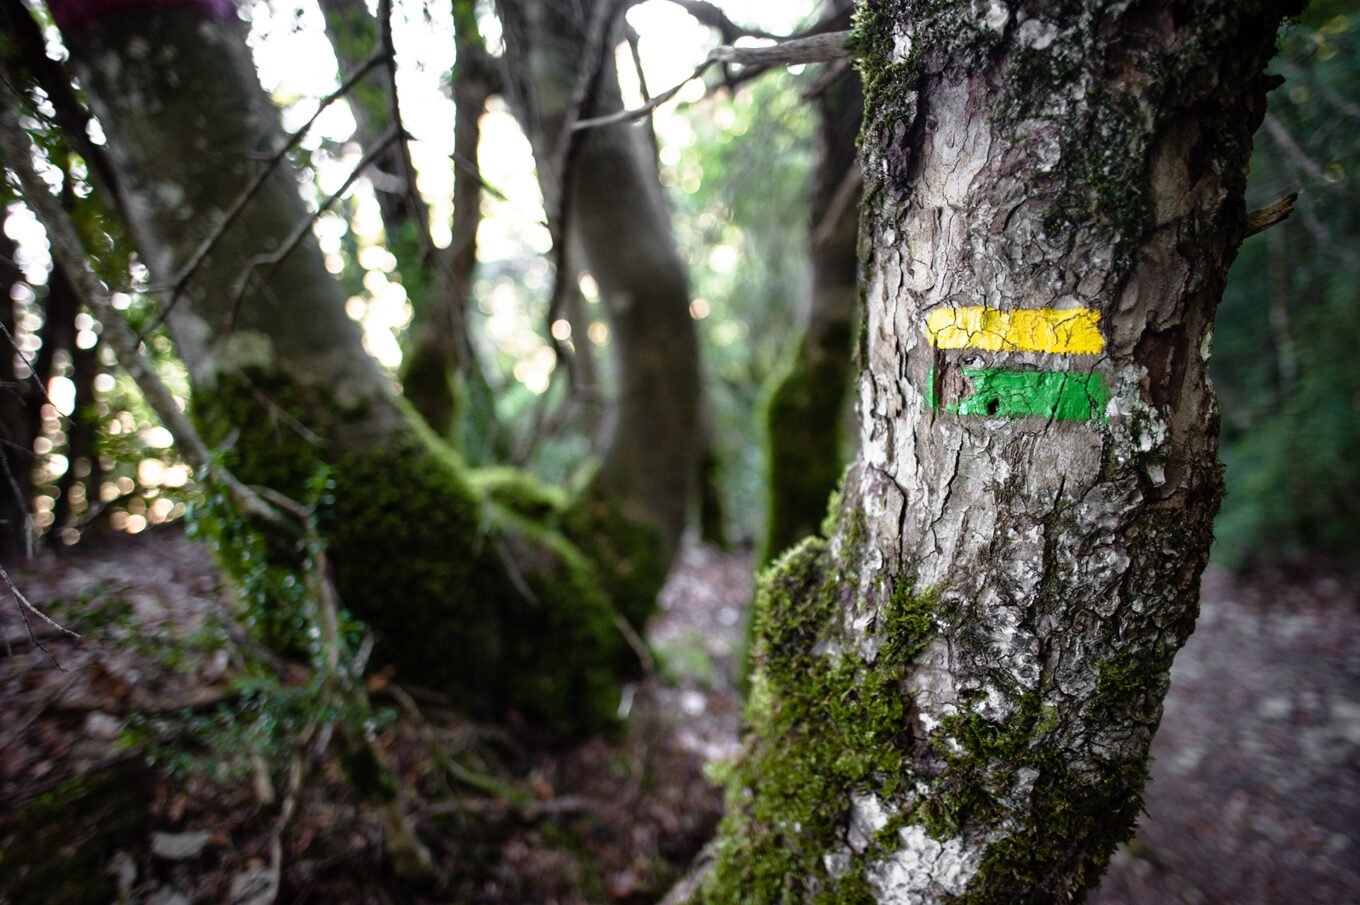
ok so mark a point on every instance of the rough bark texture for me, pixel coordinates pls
(615, 206)
(805, 409)
(470, 585)
(956, 691)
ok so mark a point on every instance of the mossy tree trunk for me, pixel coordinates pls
(956, 690)
(615, 206)
(468, 596)
(805, 410)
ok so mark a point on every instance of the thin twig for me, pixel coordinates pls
(25, 607)
(28, 363)
(812, 49)
(205, 248)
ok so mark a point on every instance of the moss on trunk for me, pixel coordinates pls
(471, 589)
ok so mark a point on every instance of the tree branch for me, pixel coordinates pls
(273, 259)
(812, 49)
(69, 254)
(1276, 212)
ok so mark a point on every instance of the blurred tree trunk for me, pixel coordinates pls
(17, 424)
(805, 410)
(440, 373)
(475, 595)
(615, 206)
(956, 690)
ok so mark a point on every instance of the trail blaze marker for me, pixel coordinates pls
(1055, 395)
(1060, 331)
(1003, 392)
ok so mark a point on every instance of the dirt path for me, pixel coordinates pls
(1255, 794)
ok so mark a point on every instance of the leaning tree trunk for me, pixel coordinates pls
(806, 405)
(470, 596)
(614, 204)
(957, 689)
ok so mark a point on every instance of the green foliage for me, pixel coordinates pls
(1284, 358)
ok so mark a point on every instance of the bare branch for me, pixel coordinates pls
(812, 49)
(69, 254)
(822, 48)
(1275, 212)
(253, 189)
(26, 607)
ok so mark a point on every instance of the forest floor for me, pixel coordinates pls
(117, 779)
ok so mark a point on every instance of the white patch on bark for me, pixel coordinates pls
(1038, 34)
(923, 870)
(867, 817)
(932, 687)
(902, 43)
(993, 13)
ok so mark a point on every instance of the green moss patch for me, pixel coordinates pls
(826, 727)
(466, 581)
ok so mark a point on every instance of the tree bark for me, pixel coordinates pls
(474, 593)
(956, 690)
(615, 206)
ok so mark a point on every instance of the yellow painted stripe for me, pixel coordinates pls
(1068, 331)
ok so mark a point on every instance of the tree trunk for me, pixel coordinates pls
(17, 424)
(805, 409)
(478, 598)
(440, 370)
(955, 692)
(615, 205)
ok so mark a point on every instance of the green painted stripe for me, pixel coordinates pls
(1054, 395)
